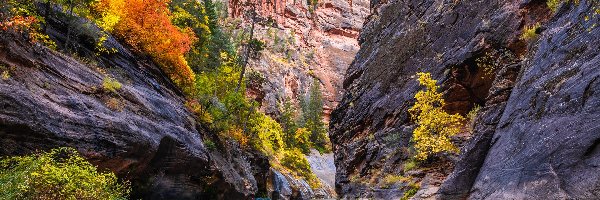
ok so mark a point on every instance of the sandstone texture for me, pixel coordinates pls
(302, 42)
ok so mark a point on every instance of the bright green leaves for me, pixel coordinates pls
(435, 126)
(58, 174)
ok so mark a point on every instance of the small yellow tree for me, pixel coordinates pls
(435, 126)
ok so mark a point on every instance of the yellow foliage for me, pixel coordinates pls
(238, 135)
(554, 4)
(110, 84)
(391, 179)
(200, 111)
(529, 33)
(5, 75)
(302, 139)
(59, 174)
(295, 161)
(435, 126)
(269, 133)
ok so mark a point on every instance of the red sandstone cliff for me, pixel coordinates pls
(302, 43)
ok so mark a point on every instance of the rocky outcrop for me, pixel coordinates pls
(535, 136)
(302, 42)
(286, 186)
(143, 131)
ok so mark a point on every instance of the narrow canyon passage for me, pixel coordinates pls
(288, 99)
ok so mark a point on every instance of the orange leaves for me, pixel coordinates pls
(18, 23)
(30, 26)
(146, 26)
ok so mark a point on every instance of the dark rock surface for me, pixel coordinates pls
(546, 142)
(537, 140)
(143, 132)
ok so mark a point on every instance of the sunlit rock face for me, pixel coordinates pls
(302, 42)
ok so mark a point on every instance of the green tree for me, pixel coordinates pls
(312, 116)
(288, 122)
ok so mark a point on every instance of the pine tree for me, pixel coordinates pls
(312, 116)
(288, 122)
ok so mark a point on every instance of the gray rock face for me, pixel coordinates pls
(535, 136)
(323, 167)
(546, 142)
(143, 132)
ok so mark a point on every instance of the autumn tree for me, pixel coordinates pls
(435, 126)
(146, 26)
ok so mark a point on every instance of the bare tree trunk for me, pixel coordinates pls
(247, 49)
(46, 14)
(67, 43)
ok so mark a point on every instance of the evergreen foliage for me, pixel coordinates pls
(312, 116)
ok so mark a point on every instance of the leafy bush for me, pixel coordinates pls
(210, 145)
(111, 85)
(58, 174)
(391, 179)
(435, 126)
(302, 140)
(530, 32)
(294, 160)
(471, 116)
(413, 188)
(553, 4)
(410, 165)
(268, 132)
(30, 26)
(236, 134)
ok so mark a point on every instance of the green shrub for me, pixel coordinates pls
(294, 160)
(58, 174)
(210, 145)
(471, 116)
(391, 179)
(269, 133)
(111, 85)
(413, 189)
(410, 165)
(530, 32)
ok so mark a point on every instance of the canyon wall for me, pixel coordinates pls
(302, 42)
(143, 132)
(535, 135)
